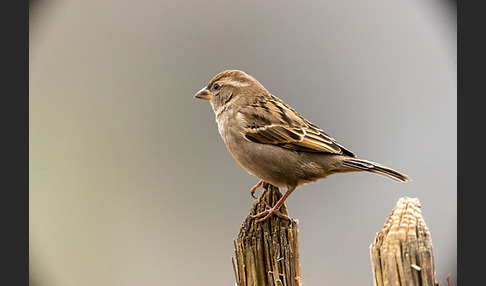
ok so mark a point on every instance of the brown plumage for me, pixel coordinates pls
(272, 141)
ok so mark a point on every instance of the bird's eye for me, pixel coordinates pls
(216, 86)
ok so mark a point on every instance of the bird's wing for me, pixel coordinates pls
(274, 122)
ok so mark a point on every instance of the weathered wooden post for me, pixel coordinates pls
(267, 253)
(401, 253)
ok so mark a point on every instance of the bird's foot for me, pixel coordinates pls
(267, 213)
(255, 187)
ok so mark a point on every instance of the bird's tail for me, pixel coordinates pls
(376, 168)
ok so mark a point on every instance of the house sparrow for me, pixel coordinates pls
(270, 140)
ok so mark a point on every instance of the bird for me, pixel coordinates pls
(273, 142)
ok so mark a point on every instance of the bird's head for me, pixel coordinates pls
(229, 87)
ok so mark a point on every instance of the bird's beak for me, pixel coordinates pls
(203, 94)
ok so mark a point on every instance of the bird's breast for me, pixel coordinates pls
(273, 164)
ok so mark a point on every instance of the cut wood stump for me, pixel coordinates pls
(267, 253)
(401, 253)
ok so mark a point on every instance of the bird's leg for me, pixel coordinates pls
(275, 210)
(255, 187)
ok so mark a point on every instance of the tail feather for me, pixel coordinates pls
(376, 168)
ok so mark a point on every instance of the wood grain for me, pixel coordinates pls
(267, 253)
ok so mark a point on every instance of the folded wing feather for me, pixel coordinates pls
(274, 122)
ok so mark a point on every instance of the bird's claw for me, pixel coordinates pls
(255, 187)
(267, 213)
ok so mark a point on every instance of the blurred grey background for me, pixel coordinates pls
(130, 182)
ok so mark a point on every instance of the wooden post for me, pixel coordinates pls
(267, 253)
(401, 253)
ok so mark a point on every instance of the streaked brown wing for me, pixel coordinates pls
(274, 122)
